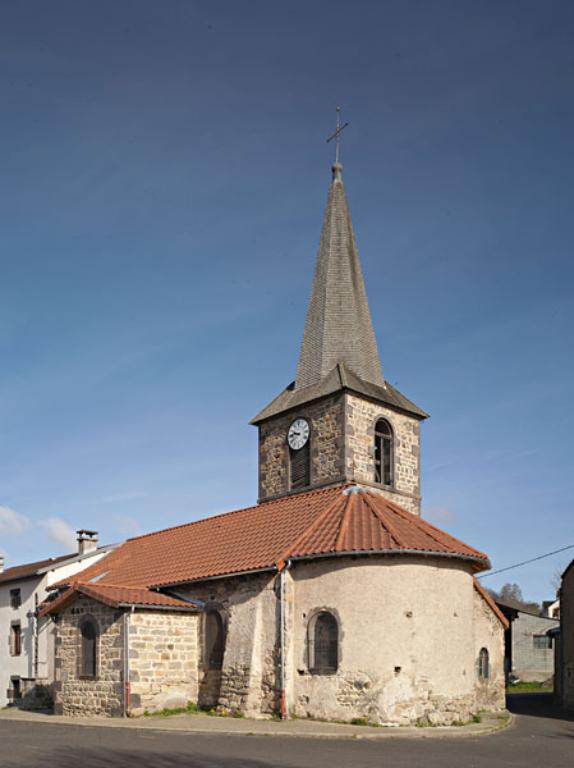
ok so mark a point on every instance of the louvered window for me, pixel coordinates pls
(383, 452)
(89, 648)
(300, 462)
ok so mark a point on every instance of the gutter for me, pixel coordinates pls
(147, 607)
(418, 552)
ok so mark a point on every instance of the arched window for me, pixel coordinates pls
(383, 452)
(300, 462)
(89, 648)
(483, 665)
(214, 640)
(323, 643)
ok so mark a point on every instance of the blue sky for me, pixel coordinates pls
(164, 177)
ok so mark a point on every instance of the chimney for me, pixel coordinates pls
(1, 563)
(87, 541)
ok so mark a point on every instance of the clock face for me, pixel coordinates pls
(298, 434)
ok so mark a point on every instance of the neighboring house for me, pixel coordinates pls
(565, 662)
(529, 644)
(551, 608)
(27, 641)
(331, 597)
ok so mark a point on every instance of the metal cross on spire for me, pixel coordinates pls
(337, 135)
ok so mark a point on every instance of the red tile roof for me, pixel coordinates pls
(334, 521)
(116, 597)
(491, 603)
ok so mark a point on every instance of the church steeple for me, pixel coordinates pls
(338, 328)
(339, 421)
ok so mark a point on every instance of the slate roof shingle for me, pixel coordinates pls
(338, 379)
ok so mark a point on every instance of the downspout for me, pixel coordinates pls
(36, 638)
(282, 659)
(127, 691)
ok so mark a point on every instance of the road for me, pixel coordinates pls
(541, 737)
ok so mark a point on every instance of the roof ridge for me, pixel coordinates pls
(314, 491)
(433, 530)
(308, 530)
(389, 527)
(350, 505)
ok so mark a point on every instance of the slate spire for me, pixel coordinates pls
(338, 328)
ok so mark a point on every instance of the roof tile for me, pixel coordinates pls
(339, 519)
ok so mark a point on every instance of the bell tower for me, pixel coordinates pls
(340, 420)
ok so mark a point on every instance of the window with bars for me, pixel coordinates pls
(300, 469)
(16, 639)
(483, 664)
(214, 640)
(89, 648)
(542, 642)
(323, 643)
(383, 452)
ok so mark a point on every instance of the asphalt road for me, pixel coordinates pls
(542, 738)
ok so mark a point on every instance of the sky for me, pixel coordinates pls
(164, 176)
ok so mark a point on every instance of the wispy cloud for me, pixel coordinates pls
(11, 522)
(128, 526)
(440, 515)
(117, 498)
(60, 532)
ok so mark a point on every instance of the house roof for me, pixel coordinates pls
(336, 521)
(40, 567)
(510, 609)
(28, 570)
(339, 378)
(117, 597)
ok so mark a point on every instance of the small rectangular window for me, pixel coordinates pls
(15, 639)
(15, 598)
(542, 642)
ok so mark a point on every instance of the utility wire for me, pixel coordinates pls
(525, 562)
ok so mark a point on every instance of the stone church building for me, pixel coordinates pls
(331, 597)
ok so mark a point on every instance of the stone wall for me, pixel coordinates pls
(489, 634)
(103, 695)
(361, 417)
(163, 659)
(248, 680)
(407, 644)
(342, 448)
(327, 463)
(567, 637)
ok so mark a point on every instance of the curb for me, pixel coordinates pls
(361, 734)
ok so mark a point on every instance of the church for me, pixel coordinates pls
(331, 597)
